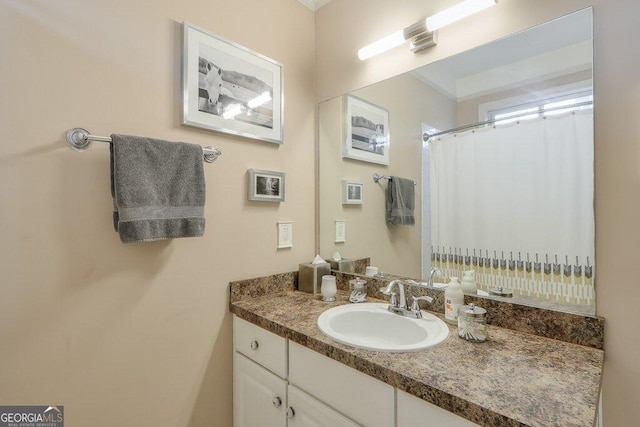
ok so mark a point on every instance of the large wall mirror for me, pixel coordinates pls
(499, 143)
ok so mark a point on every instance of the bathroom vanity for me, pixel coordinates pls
(286, 372)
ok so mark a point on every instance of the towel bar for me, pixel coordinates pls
(80, 139)
(377, 177)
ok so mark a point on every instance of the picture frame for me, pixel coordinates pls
(366, 130)
(352, 192)
(229, 88)
(266, 186)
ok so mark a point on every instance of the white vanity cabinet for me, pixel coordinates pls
(262, 396)
(259, 376)
(413, 411)
(284, 384)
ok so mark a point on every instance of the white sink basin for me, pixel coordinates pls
(372, 326)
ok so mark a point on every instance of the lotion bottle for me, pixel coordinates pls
(468, 283)
(453, 300)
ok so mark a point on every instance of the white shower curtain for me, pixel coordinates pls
(524, 187)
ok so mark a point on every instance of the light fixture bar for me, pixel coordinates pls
(422, 33)
(423, 41)
(382, 45)
(457, 12)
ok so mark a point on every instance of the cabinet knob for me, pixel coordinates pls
(254, 345)
(277, 401)
(290, 412)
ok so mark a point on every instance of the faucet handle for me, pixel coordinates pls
(415, 305)
(394, 300)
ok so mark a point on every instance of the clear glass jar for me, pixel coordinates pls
(472, 323)
(358, 293)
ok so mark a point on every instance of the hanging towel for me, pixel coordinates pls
(400, 201)
(158, 189)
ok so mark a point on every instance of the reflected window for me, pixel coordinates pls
(579, 100)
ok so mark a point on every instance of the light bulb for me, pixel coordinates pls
(457, 12)
(382, 45)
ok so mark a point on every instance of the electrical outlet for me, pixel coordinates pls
(341, 231)
(285, 234)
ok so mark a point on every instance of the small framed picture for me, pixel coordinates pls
(352, 192)
(266, 186)
(229, 88)
(366, 131)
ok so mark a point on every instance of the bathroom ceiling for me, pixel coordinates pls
(314, 4)
(555, 48)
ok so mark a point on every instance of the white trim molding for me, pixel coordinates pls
(314, 4)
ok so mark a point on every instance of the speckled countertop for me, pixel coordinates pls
(513, 379)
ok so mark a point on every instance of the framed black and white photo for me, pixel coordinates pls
(352, 192)
(366, 131)
(266, 186)
(229, 88)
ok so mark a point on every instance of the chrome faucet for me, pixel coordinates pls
(400, 307)
(433, 272)
(388, 290)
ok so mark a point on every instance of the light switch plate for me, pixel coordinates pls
(341, 231)
(285, 234)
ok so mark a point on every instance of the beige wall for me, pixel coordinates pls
(345, 25)
(397, 248)
(138, 334)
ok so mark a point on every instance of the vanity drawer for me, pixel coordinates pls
(358, 396)
(261, 346)
(413, 411)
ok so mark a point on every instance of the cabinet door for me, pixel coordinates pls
(413, 411)
(259, 397)
(305, 411)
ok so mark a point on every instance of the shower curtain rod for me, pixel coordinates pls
(426, 136)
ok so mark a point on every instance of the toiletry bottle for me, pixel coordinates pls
(453, 299)
(468, 283)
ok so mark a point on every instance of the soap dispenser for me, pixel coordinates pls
(468, 283)
(453, 300)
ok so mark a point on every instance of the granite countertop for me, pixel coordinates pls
(512, 379)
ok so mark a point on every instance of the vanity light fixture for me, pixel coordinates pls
(457, 12)
(423, 34)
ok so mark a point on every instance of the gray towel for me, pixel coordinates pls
(158, 189)
(400, 201)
